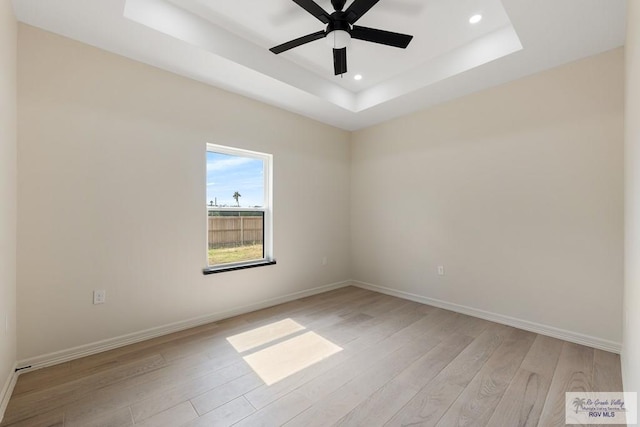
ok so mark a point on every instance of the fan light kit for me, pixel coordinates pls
(338, 39)
(341, 29)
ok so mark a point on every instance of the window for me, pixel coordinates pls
(239, 219)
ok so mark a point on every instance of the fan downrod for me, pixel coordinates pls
(338, 5)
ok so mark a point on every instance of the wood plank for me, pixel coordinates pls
(306, 305)
(406, 332)
(334, 406)
(574, 372)
(225, 415)
(432, 401)
(522, 403)
(35, 380)
(275, 415)
(48, 399)
(477, 402)
(176, 416)
(185, 390)
(607, 373)
(225, 393)
(135, 389)
(385, 323)
(118, 418)
(380, 406)
(54, 418)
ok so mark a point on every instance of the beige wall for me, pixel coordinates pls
(516, 191)
(8, 197)
(631, 327)
(112, 195)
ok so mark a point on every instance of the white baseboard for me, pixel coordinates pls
(574, 337)
(7, 391)
(121, 341)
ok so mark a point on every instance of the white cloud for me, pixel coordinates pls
(225, 164)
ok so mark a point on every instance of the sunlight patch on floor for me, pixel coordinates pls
(280, 349)
(263, 335)
(281, 360)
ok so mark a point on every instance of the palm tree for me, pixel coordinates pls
(236, 196)
(578, 403)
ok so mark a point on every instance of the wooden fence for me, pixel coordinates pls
(229, 231)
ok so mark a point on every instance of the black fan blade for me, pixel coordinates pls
(380, 36)
(297, 42)
(359, 8)
(340, 60)
(313, 8)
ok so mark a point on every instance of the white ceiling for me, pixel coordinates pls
(225, 44)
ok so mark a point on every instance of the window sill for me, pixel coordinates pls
(222, 269)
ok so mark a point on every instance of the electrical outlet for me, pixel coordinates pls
(441, 270)
(99, 296)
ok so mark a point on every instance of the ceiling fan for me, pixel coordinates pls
(341, 29)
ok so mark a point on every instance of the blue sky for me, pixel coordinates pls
(227, 174)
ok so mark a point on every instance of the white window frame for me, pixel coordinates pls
(267, 209)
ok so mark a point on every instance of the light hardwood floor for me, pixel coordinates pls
(361, 359)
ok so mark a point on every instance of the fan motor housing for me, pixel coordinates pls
(338, 22)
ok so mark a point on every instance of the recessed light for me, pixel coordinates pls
(357, 77)
(475, 19)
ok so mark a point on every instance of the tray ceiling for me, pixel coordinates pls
(225, 44)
